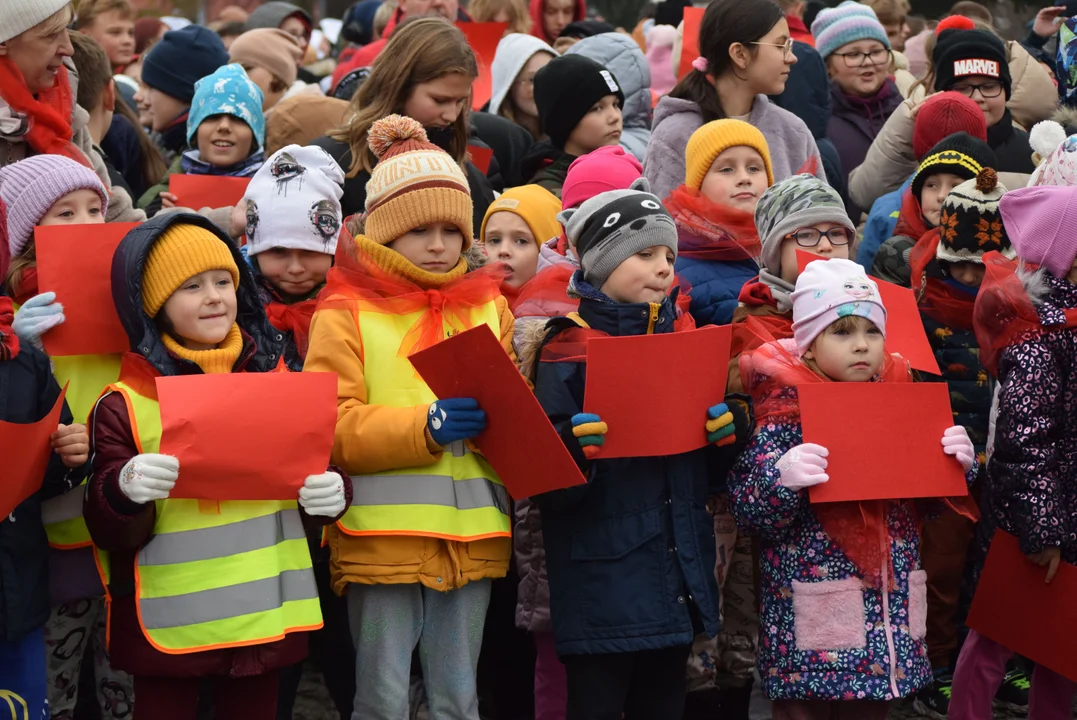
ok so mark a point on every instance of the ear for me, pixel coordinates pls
(740, 55)
(809, 354)
(108, 97)
(565, 215)
(642, 184)
(3, 49)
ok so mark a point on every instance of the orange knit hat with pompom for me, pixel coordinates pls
(414, 184)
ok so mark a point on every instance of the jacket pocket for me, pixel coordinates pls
(918, 604)
(615, 538)
(829, 615)
(489, 550)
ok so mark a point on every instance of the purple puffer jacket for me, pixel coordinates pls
(1031, 488)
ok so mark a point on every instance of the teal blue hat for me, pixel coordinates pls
(228, 91)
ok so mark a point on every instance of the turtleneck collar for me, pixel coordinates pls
(213, 362)
(392, 261)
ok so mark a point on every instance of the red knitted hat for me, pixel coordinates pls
(955, 22)
(942, 115)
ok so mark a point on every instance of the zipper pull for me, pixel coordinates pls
(653, 318)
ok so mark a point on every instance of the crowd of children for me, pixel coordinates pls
(602, 192)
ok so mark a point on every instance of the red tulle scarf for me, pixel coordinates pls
(911, 217)
(570, 345)
(936, 299)
(546, 294)
(9, 341)
(49, 114)
(711, 231)
(294, 318)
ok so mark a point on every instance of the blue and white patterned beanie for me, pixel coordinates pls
(844, 24)
(228, 91)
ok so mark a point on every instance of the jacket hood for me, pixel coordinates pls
(127, 265)
(670, 106)
(513, 52)
(620, 54)
(537, 8)
(272, 14)
(807, 91)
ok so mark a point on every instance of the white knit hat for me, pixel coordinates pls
(18, 16)
(513, 52)
(293, 201)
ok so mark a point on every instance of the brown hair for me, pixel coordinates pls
(889, 12)
(22, 262)
(90, 9)
(972, 10)
(420, 51)
(154, 167)
(487, 10)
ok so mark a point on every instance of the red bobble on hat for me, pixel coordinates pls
(955, 22)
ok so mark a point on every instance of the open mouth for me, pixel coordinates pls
(223, 144)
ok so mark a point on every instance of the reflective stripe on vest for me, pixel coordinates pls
(208, 580)
(458, 497)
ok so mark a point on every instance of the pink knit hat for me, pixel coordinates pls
(829, 290)
(607, 168)
(1040, 222)
(32, 186)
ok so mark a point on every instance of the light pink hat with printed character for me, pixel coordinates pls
(829, 290)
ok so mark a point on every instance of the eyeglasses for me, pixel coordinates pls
(987, 90)
(856, 58)
(787, 46)
(810, 237)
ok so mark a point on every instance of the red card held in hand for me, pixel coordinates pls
(885, 440)
(247, 436)
(75, 262)
(207, 191)
(905, 334)
(26, 449)
(483, 38)
(653, 391)
(519, 441)
(1015, 607)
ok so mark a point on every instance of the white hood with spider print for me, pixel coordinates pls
(294, 202)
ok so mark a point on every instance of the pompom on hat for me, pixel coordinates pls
(415, 183)
(970, 224)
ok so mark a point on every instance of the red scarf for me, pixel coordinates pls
(9, 341)
(936, 299)
(49, 114)
(27, 285)
(293, 318)
(711, 231)
(911, 221)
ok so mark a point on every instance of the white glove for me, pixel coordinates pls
(803, 466)
(323, 494)
(149, 477)
(956, 442)
(37, 316)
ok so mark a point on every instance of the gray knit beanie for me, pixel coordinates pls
(612, 227)
(18, 16)
(796, 202)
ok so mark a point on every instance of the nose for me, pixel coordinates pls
(505, 250)
(437, 242)
(66, 49)
(824, 245)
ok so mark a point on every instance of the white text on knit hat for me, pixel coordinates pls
(976, 66)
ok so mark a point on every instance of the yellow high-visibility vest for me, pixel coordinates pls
(459, 497)
(209, 580)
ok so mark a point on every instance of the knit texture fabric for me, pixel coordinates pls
(182, 58)
(847, 23)
(182, 252)
(944, 114)
(269, 48)
(959, 154)
(218, 361)
(1040, 222)
(18, 16)
(535, 205)
(228, 91)
(960, 54)
(1060, 167)
(828, 291)
(607, 168)
(30, 187)
(415, 183)
(796, 202)
(970, 224)
(714, 138)
(612, 227)
(566, 89)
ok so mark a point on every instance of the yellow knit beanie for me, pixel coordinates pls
(415, 183)
(536, 205)
(181, 252)
(714, 138)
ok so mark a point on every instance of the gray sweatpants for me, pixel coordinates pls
(387, 621)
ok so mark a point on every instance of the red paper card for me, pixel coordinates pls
(892, 449)
(693, 18)
(26, 449)
(519, 441)
(1015, 607)
(480, 157)
(904, 329)
(213, 191)
(653, 391)
(75, 262)
(483, 38)
(247, 436)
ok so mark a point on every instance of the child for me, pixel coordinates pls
(517, 60)
(226, 133)
(50, 190)
(189, 305)
(579, 104)
(955, 159)
(628, 592)
(728, 169)
(169, 72)
(843, 601)
(112, 24)
(947, 270)
(421, 571)
(30, 392)
(271, 59)
(515, 227)
(292, 209)
(1029, 485)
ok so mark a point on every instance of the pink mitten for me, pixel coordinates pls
(803, 466)
(955, 441)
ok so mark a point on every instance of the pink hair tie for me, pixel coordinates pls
(701, 64)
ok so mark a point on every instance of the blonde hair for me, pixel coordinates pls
(56, 22)
(22, 262)
(487, 10)
(90, 9)
(889, 12)
(382, 16)
(420, 51)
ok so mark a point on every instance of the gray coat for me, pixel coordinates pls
(621, 55)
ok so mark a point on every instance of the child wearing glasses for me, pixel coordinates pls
(857, 53)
